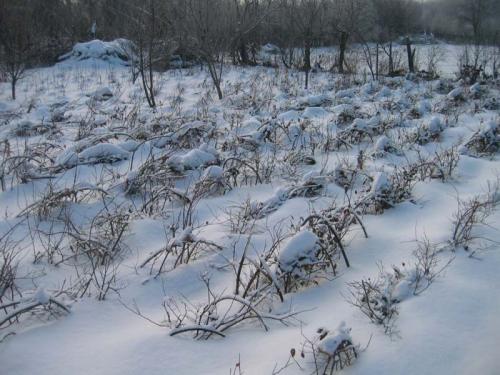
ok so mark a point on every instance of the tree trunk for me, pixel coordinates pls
(307, 61)
(215, 78)
(376, 62)
(411, 55)
(343, 46)
(13, 88)
(391, 62)
(243, 52)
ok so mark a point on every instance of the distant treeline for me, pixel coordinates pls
(53, 26)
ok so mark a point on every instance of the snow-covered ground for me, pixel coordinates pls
(113, 212)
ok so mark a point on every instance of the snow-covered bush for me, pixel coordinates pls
(152, 175)
(457, 94)
(378, 298)
(427, 132)
(102, 153)
(97, 50)
(387, 190)
(194, 159)
(302, 260)
(39, 303)
(329, 351)
(471, 214)
(383, 146)
(212, 181)
(54, 201)
(221, 312)
(485, 141)
(311, 185)
(182, 248)
(27, 128)
(103, 240)
(102, 94)
(9, 252)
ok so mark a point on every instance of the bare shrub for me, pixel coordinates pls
(328, 351)
(373, 299)
(311, 185)
(40, 304)
(53, 200)
(219, 313)
(427, 132)
(485, 141)
(378, 298)
(387, 190)
(9, 255)
(471, 215)
(182, 248)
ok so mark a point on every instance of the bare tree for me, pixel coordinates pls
(394, 17)
(249, 14)
(17, 40)
(350, 19)
(473, 13)
(307, 17)
(210, 26)
(151, 45)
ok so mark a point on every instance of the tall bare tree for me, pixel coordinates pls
(210, 26)
(308, 18)
(17, 40)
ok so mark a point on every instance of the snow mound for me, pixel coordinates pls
(289, 116)
(41, 296)
(330, 344)
(213, 172)
(103, 152)
(112, 52)
(380, 183)
(102, 94)
(193, 159)
(314, 112)
(456, 94)
(315, 100)
(298, 250)
(270, 49)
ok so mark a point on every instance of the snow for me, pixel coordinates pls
(289, 116)
(101, 152)
(112, 52)
(213, 172)
(193, 159)
(299, 247)
(456, 93)
(331, 342)
(435, 125)
(67, 158)
(41, 296)
(381, 144)
(314, 112)
(423, 107)
(102, 94)
(380, 183)
(315, 100)
(77, 142)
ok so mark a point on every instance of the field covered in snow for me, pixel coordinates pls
(278, 230)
